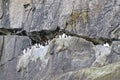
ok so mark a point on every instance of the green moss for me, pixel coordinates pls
(108, 72)
(103, 73)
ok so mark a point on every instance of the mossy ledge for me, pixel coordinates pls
(108, 72)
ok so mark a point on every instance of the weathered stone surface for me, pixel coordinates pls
(1, 46)
(109, 72)
(5, 22)
(8, 70)
(10, 48)
(102, 54)
(16, 11)
(91, 18)
(1, 11)
(116, 33)
(11, 13)
(116, 47)
(60, 56)
(115, 55)
(79, 54)
(63, 58)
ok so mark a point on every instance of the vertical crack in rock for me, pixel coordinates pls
(2, 48)
(1, 10)
(13, 56)
(115, 33)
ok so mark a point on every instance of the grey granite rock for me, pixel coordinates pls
(109, 72)
(63, 56)
(115, 55)
(5, 23)
(1, 11)
(90, 18)
(11, 13)
(1, 46)
(68, 54)
(10, 48)
(16, 12)
(102, 54)
(116, 47)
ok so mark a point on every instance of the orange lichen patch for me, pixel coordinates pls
(75, 15)
(84, 16)
(71, 22)
(27, 1)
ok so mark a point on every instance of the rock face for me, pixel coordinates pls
(109, 72)
(11, 47)
(65, 55)
(16, 11)
(95, 18)
(68, 54)
(55, 39)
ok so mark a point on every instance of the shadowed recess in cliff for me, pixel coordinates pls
(44, 36)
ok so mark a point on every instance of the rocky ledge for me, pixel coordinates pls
(59, 39)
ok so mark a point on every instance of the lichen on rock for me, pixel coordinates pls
(84, 17)
(108, 72)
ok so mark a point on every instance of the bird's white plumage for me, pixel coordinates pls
(63, 35)
(106, 45)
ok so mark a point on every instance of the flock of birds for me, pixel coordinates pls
(106, 45)
(64, 36)
(32, 47)
(38, 45)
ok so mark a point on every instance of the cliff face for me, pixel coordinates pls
(72, 39)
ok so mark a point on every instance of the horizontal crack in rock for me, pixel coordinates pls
(44, 36)
(4, 31)
(95, 41)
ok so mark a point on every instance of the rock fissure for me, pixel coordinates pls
(44, 36)
(2, 48)
(8, 61)
(2, 16)
(59, 39)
